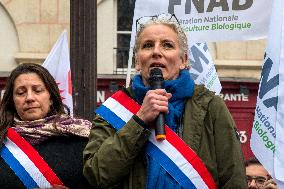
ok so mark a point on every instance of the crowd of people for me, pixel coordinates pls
(44, 147)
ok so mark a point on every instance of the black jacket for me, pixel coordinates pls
(64, 157)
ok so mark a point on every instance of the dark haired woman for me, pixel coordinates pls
(41, 146)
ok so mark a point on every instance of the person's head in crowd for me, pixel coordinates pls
(31, 93)
(160, 37)
(257, 175)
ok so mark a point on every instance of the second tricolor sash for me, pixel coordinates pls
(26, 162)
(180, 161)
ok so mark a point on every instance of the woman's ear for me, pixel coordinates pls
(184, 63)
(137, 64)
(50, 102)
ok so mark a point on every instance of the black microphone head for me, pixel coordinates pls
(156, 72)
(156, 78)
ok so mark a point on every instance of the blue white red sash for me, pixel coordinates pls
(26, 162)
(181, 162)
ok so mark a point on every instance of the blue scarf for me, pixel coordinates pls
(180, 88)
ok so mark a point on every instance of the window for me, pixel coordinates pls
(125, 11)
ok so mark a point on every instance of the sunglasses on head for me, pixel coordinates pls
(165, 16)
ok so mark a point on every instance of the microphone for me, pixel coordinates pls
(156, 81)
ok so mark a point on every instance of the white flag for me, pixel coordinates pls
(267, 139)
(58, 65)
(202, 68)
(201, 64)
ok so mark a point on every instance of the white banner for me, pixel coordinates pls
(58, 65)
(267, 139)
(212, 20)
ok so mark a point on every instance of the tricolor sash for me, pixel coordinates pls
(26, 162)
(178, 159)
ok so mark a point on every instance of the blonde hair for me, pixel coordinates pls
(174, 25)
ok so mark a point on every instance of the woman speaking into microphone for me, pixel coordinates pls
(200, 149)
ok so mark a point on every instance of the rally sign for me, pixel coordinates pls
(212, 20)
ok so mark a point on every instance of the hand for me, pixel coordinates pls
(270, 184)
(155, 102)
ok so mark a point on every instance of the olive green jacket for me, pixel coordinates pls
(116, 159)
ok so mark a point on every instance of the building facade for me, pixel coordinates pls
(29, 28)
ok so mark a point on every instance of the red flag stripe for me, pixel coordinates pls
(34, 157)
(126, 101)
